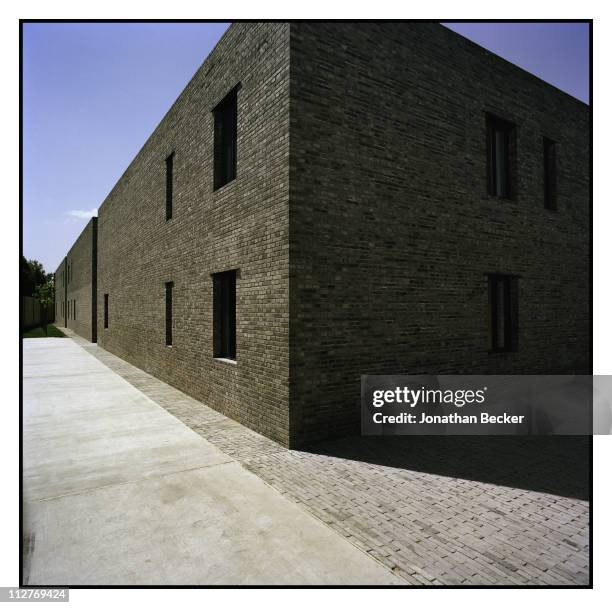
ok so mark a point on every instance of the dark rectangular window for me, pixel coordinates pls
(550, 174)
(169, 313)
(225, 139)
(499, 157)
(105, 311)
(224, 315)
(503, 312)
(74, 310)
(169, 178)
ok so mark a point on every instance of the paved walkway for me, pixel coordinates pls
(432, 510)
(119, 492)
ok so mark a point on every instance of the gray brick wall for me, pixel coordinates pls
(243, 226)
(77, 287)
(392, 232)
(359, 222)
(60, 294)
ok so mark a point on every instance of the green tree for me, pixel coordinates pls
(32, 275)
(45, 294)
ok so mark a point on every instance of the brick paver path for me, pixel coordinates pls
(435, 510)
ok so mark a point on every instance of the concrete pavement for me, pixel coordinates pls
(434, 510)
(430, 510)
(117, 491)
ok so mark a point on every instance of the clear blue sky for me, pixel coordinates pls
(555, 52)
(93, 93)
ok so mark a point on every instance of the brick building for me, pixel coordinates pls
(326, 200)
(75, 285)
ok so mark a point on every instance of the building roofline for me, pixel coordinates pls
(166, 114)
(485, 51)
(466, 41)
(91, 220)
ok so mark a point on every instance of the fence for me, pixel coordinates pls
(32, 312)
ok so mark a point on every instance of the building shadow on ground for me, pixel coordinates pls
(555, 465)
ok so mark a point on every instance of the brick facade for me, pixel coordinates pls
(242, 226)
(359, 224)
(60, 294)
(75, 285)
(392, 232)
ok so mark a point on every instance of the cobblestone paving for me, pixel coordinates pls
(436, 511)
